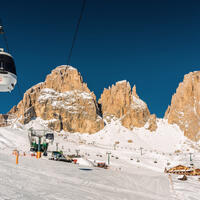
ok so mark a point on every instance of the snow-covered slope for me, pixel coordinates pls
(137, 162)
(44, 179)
(13, 139)
(167, 138)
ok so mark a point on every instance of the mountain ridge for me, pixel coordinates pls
(66, 102)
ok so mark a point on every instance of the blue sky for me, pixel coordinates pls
(150, 43)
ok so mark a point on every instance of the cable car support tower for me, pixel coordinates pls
(40, 140)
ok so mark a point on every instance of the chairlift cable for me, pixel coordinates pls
(76, 32)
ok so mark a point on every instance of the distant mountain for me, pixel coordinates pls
(185, 106)
(120, 102)
(65, 102)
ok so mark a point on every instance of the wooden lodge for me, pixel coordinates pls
(183, 170)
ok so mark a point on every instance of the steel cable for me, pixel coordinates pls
(76, 32)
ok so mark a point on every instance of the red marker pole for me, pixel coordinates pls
(17, 157)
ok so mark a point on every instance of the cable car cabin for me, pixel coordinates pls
(8, 77)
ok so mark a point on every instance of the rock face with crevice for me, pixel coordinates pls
(185, 107)
(64, 101)
(120, 102)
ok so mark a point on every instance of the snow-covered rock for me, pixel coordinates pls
(185, 107)
(167, 146)
(120, 102)
(63, 100)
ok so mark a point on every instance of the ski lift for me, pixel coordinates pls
(8, 76)
(50, 136)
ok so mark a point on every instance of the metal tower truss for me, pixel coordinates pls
(40, 139)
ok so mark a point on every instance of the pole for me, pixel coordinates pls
(39, 148)
(56, 146)
(17, 158)
(108, 153)
(77, 152)
(141, 150)
(190, 157)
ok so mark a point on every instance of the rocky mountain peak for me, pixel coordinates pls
(65, 78)
(185, 108)
(63, 100)
(137, 103)
(134, 93)
(116, 99)
(120, 102)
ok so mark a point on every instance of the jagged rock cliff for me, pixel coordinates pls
(66, 103)
(64, 100)
(185, 107)
(120, 102)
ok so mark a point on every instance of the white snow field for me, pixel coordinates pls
(136, 171)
